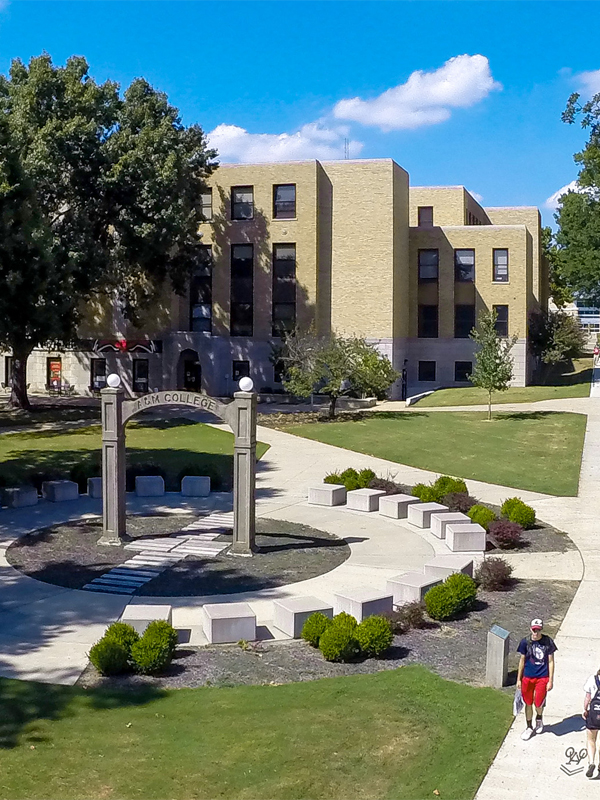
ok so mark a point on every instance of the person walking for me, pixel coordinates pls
(535, 676)
(591, 715)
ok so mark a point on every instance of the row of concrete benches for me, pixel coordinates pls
(63, 490)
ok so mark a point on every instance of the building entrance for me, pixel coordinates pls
(192, 375)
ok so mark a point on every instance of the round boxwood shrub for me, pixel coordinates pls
(493, 574)
(365, 476)
(338, 643)
(344, 620)
(374, 635)
(314, 627)
(150, 655)
(123, 634)
(463, 589)
(162, 631)
(426, 494)
(459, 501)
(440, 602)
(418, 489)
(445, 484)
(481, 515)
(109, 657)
(515, 510)
(506, 535)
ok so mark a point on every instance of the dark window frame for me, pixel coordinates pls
(235, 205)
(97, 380)
(427, 326)
(421, 213)
(277, 210)
(284, 289)
(241, 311)
(423, 250)
(423, 366)
(203, 205)
(461, 324)
(495, 274)
(141, 385)
(466, 370)
(237, 371)
(501, 323)
(201, 292)
(458, 275)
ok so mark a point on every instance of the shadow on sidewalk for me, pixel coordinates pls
(571, 724)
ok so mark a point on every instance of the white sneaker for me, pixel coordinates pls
(539, 726)
(527, 734)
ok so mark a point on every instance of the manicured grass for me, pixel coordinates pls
(398, 734)
(40, 415)
(539, 451)
(573, 382)
(172, 445)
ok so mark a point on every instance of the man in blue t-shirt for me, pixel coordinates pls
(536, 675)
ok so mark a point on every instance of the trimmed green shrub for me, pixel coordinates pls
(418, 489)
(150, 654)
(440, 602)
(334, 477)
(445, 484)
(374, 635)
(365, 476)
(481, 515)
(338, 643)
(459, 501)
(464, 590)
(493, 574)
(506, 535)
(162, 631)
(351, 479)
(344, 620)
(314, 627)
(515, 510)
(123, 634)
(109, 657)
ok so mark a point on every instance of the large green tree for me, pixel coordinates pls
(99, 196)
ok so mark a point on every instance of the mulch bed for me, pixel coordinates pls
(68, 555)
(455, 650)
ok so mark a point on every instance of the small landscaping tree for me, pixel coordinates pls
(493, 362)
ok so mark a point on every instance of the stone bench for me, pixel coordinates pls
(463, 538)
(60, 491)
(20, 497)
(419, 514)
(362, 601)
(440, 519)
(149, 486)
(364, 499)
(195, 486)
(327, 494)
(396, 505)
(290, 613)
(140, 616)
(410, 587)
(443, 566)
(229, 622)
(94, 487)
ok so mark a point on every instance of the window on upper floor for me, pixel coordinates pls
(500, 258)
(428, 322)
(284, 288)
(206, 208)
(464, 266)
(501, 320)
(462, 370)
(242, 290)
(464, 321)
(425, 215)
(428, 265)
(201, 292)
(426, 370)
(242, 202)
(284, 201)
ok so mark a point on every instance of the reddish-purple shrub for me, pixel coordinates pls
(504, 534)
(459, 501)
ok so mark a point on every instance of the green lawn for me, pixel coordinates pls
(171, 444)
(539, 451)
(397, 734)
(572, 382)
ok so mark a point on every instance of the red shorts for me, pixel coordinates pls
(534, 691)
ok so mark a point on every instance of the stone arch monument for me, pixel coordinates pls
(239, 414)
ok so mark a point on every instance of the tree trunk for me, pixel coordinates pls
(332, 402)
(489, 406)
(18, 391)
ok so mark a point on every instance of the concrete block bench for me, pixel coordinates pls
(396, 505)
(327, 494)
(440, 519)
(443, 566)
(410, 587)
(59, 491)
(20, 497)
(229, 622)
(364, 499)
(94, 487)
(462, 538)
(149, 486)
(139, 617)
(362, 602)
(419, 514)
(290, 613)
(195, 486)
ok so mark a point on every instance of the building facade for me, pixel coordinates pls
(347, 246)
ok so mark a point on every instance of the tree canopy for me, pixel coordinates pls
(99, 195)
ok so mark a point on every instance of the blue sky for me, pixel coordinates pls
(456, 92)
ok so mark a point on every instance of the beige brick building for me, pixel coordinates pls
(346, 245)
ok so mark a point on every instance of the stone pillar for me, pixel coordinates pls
(244, 472)
(496, 667)
(113, 466)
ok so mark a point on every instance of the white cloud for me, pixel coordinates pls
(313, 140)
(552, 201)
(476, 196)
(426, 98)
(589, 82)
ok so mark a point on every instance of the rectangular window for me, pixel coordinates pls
(140, 375)
(206, 208)
(284, 288)
(239, 370)
(98, 374)
(8, 370)
(464, 266)
(501, 320)
(425, 216)
(284, 201)
(462, 370)
(426, 370)
(464, 321)
(428, 265)
(242, 202)
(242, 289)
(201, 291)
(428, 322)
(53, 373)
(500, 266)
(279, 371)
